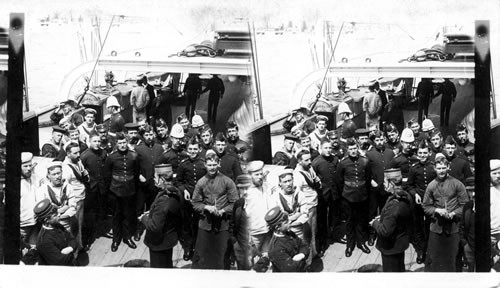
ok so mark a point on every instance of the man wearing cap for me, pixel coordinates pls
(287, 252)
(61, 195)
(405, 159)
(286, 195)
(216, 87)
(74, 137)
(258, 202)
(443, 202)
(320, 133)
(392, 224)
(132, 130)
(240, 237)
(77, 177)
(372, 106)
(338, 148)
(107, 142)
(28, 199)
(286, 157)
(55, 144)
(189, 172)
(309, 186)
(139, 99)
(121, 171)
(353, 178)
(420, 175)
(305, 144)
(297, 120)
(449, 92)
(213, 197)
(176, 153)
(95, 203)
(234, 143)
(459, 167)
(164, 220)
(379, 158)
(192, 91)
(116, 121)
(67, 110)
(88, 126)
(363, 141)
(424, 93)
(55, 244)
(463, 143)
(229, 164)
(347, 127)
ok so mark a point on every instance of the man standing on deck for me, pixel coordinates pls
(216, 87)
(463, 143)
(425, 92)
(234, 143)
(347, 126)
(353, 179)
(122, 173)
(449, 92)
(192, 90)
(320, 133)
(28, 200)
(229, 164)
(372, 106)
(176, 153)
(55, 144)
(88, 126)
(443, 202)
(139, 99)
(459, 166)
(107, 142)
(297, 120)
(116, 120)
(189, 172)
(151, 95)
(213, 197)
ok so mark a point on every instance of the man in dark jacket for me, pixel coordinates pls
(229, 164)
(163, 222)
(122, 173)
(55, 244)
(420, 175)
(287, 253)
(353, 178)
(425, 92)
(325, 166)
(189, 172)
(392, 224)
(449, 92)
(463, 143)
(285, 156)
(192, 90)
(216, 87)
(459, 167)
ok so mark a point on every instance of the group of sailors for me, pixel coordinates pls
(358, 187)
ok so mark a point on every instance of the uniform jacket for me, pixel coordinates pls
(116, 123)
(461, 148)
(459, 168)
(148, 156)
(348, 129)
(420, 175)
(93, 161)
(285, 159)
(51, 150)
(404, 162)
(325, 168)
(353, 178)
(163, 222)
(392, 228)
(51, 242)
(189, 172)
(216, 87)
(229, 165)
(282, 250)
(122, 172)
(379, 161)
(218, 190)
(174, 157)
(448, 90)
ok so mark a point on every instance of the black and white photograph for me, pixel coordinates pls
(250, 139)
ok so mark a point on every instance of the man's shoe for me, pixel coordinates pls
(108, 234)
(364, 248)
(130, 243)
(348, 251)
(188, 255)
(342, 240)
(420, 258)
(114, 246)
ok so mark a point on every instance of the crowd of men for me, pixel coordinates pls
(359, 187)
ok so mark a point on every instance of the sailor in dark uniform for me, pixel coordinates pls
(420, 175)
(107, 142)
(55, 144)
(463, 143)
(122, 173)
(459, 166)
(132, 130)
(189, 172)
(234, 143)
(338, 148)
(229, 164)
(353, 178)
(286, 156)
